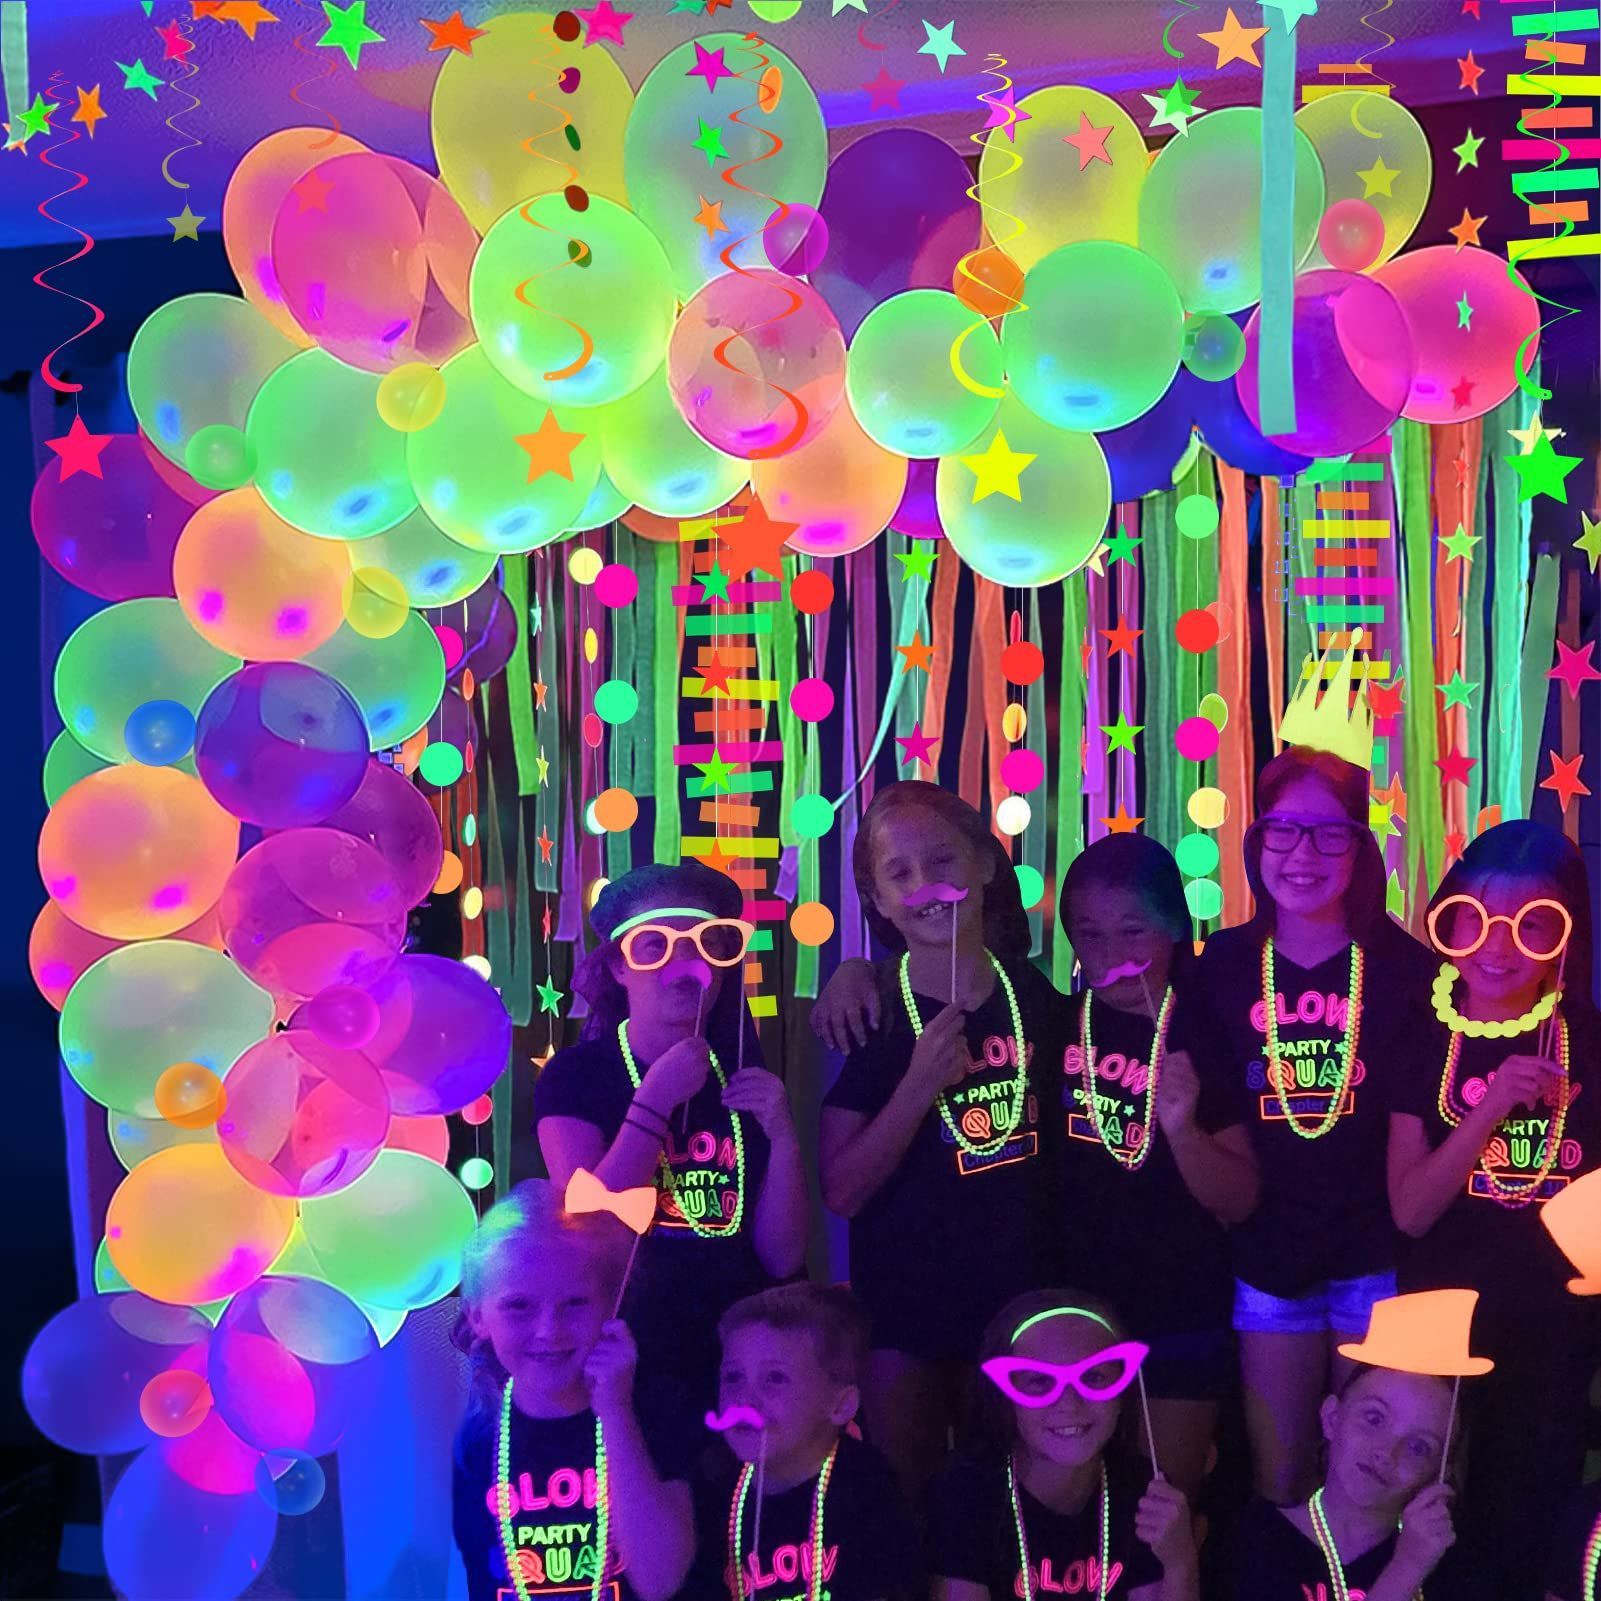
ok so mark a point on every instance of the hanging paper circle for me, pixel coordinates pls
(811, 592)
(812, 699)
(1030, 885)
(1022, 770)
(1196, 516)
(616, 586)
(811, 816)
(1208, 808)
(1196, 855)
(616, 810)
(1013, 815)
(1022, 662)
(1204, 897)
(811, 923)
(1215, 710)
(1196, 739)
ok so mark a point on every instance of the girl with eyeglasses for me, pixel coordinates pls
(1313, 999)
(666, 1087)
(1506, 1113)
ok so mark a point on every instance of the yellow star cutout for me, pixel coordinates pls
(1531, 436)
(544, 767)
(186, 225)
(1378, 178)
(1234, 41)
(1096, 560)
(998, 469)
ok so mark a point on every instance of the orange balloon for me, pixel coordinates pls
(999, 288)
(59, 952)
(175, 1403)
(252, 585)
(265, 175)
(136, 852)
(190, 1096)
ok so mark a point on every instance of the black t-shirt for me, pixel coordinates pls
(1479, 1243)
(1325, 1208)
(1578, 1523)
(870, 1550)
(552, 1500)
(950, 1236)
(973, 1536)
(1274, 1561)
(1139, 1238)
(681, 1284)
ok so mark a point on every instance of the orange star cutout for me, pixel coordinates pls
(312, 192)
(917, 654)
(1385, 700)
(539, 695)
(755, 542)
(1466, 232)
(1234, 41)
(1471, 72)
(550, 449)
(546, 844)
(1394, 797)
(89, 112)
(452, 35)
(716, 858)
(205, 8)
(249, 14)
(1120, 638)
(1122, 823)
(710, 217)
(715, 673)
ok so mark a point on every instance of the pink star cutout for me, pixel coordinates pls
(603, 25)
(1462, 392)
(1004, 114)
(1565, 778)
(1089, 141)
(884, 91)
(177, 46)
(918, 745)
(1574, 667)
(1455, 766)
(709, 64)
(79, 450)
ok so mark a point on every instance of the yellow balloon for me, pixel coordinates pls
(507, 91)
(1372, 148)
(376, 605)
(1063, 192)
(411, 396)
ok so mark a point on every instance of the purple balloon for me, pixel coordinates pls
(488, 628)
(281, 744)
(391, 814)
(917, 516)
(443, 1037)
(795, 239)
(1143, 453)
(899, 217)
(113, 535)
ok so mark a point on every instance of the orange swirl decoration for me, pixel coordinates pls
(46, 367)
(335, 126)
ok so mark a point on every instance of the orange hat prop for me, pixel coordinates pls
(1422, 1333)
(1573, 1217)
(635, 1207)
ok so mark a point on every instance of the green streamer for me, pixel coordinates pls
(518, 994)
(519, 678)
(1425, 840)
(668, 833)
(1034, 836)
(1539, 646)
(1509, 559)
(497, 908)
(1069, 808)
(1473, 657)
(1275, 352)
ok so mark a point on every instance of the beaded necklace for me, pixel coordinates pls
(669, 1179)
(1353, 1025)
(1510, 1028)
(1130, 1164)
(736, 1527)
(1592, 1561)
(1022, 1534)
(1331, 1554)
(602, 1504)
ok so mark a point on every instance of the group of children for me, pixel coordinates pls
(1246, 1165)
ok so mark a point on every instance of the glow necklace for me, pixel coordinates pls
(736, 1527)
(669, 1179)
(1592, 1561)
(602, 1504)
(1510, 1028)
(1019, 1083)
(1022, 1536)
(1130, 1164)
(1331, 1554)
(1353, 1026)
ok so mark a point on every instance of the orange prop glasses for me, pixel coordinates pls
(721, 941)
(1540, 929)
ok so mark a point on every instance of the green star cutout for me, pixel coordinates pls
(1542, 471)
(347, 29)
(710, 141)
(549, 998)
(536, 616)
(1120, 735)
(694, 7)
(917, 563)
(1459, 546)
(853, 5)
(940, 44)
(1121, 547)
(1380, 820)
(714, 586)
(1174, 106)
(1590, 540)
(1467, 153)
(1459, 692)
(1378, 179)
(1464, 312)
(542, 763)
(36, 118)
(715, 773)
(138, 76)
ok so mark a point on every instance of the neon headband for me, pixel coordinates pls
(1059, 1311)
(663, 911)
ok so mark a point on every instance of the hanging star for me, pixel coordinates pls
(714, 585)
(1291, 11)
(89, 111)
(1589, 542)
(1120, 639)
(1122, 823)
(998, 470)
(1470, 8)
(138, 76)
(714, 6)
(1120, 735)
(1458, 692)
(940, 44)
(453, 34)
(1542, 472)
(1121, 547)
(1005, 113)
(542, 766)
(549, 998)
(1455, 766)
(544, 923)
(1529, 437)
(1089, 141)
(1574, 668)
(1096, 561)
(311, 192)
(1393, 797)
(1459, 546)
(709, 64)
(917, 745)
(1378, 178)
(709, 141)
(36, 118)
(1234, 41)
(717, 859)
(249, 14)
(1565, 779)
(1386, 701)
(1464, 312)
(715, 674)
(1380, 822)
(853, 5)
(540, 690)
(755, 542)
(1174, 107)
(917, 654)
(1462, 392)
(1467, 153)
(178, 46)
(545, 843)
(1459, 466)
(79, 450)
(347, 30)
(602, 25)
(917, 563)
(883, 91)
(1455, 842)
(550, 448)
(186, 225)
(714, 774)
(710, 217)
(1466, 232)
(1471, 72)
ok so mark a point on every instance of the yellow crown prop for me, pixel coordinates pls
(1333, 721)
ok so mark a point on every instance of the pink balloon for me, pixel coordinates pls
(59, 952)
(212, 1457)
(392, 815)
(1351, 234)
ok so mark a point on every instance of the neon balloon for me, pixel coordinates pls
(654, 459)
(60, 953)
(65, 763)
(396, 681)
(390, 813)
(433, 568)
(1351, 235)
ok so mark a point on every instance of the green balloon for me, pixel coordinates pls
(658, 461)
(606, 505)
(668, 171)
(533, 303)
(1214, 347)
(900, 380)
(394, 1238)
(1099, 339)
(298, 1260)
(326, 462)
(396, 681)
(130, 653)
(198, 361)
(1201, 209)
(1053, 529)
(144, 1008)
(133, 1138)
(64, 764)
(432, 568)
(219, 456)
(472, 465)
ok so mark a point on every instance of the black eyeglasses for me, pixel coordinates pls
(1282, 834)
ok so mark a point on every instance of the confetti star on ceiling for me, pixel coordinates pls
(1089, 141)
(1005, 113)
(1174, 107)
(1234, 41)
(1466, 232)
(1464, 312)
(347, 30)
(1378, 179)
(603, 25)
(138, 76)
(709, 65)
(940, 44)
(884, 91)
(550, 448)
(710, 217)
(452, 34)
(1471, 72)
(178, 46)
(1467, 153)
(709, 141)
(249, 14)
(36, 118)
(89, 110)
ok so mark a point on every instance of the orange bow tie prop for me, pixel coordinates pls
(586, 1193)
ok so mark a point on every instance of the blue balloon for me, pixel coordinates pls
(1231, 435)
(1142, 454)
(159, 733)
(294, 1490)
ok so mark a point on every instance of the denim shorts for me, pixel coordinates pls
(1338, 1305)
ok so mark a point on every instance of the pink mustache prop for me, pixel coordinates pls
(1127, 970)
(934, 892)
(731, 1418)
